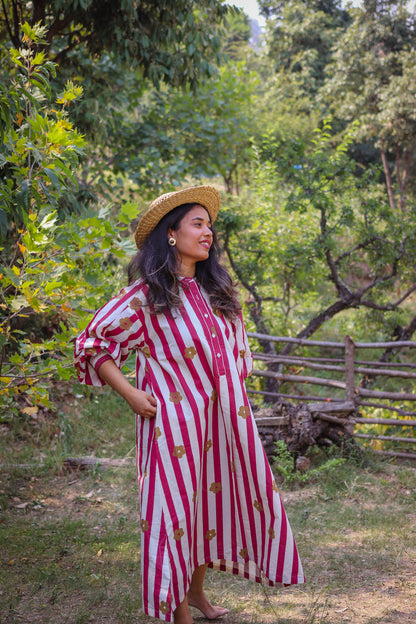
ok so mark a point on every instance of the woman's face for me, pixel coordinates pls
(193, 239)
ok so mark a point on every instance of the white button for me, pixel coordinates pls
(213, 335)
(218, 354)
(206, 315)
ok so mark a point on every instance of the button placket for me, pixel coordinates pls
(208, 321)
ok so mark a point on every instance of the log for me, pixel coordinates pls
(80, 463)
(381, 437)
(336, 345)
(305, 363)
(298, 397)
(272, 421)
(395, 454)
(330, 407)
(300, 360)
(384, 406)
(300, 341)
(386, 421)
(395, 396)
(333, 419)
(301, 379)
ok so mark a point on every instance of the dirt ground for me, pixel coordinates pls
(70, 554)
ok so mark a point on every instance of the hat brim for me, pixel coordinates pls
(206, 196)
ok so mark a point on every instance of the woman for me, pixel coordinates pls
(207, 494)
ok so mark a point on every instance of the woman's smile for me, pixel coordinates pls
(193, 239)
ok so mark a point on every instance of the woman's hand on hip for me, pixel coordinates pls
(142, 403)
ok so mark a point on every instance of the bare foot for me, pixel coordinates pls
(202, 603)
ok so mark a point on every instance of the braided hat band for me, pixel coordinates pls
(206, 196)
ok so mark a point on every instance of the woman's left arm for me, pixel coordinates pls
(140, 402)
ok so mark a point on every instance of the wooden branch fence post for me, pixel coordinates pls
(345, 412)
(349, 369)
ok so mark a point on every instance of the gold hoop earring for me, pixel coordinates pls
(171, 241)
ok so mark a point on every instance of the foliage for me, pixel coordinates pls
(371, 81)
(171, 41)
(51, 274)
(284, 467)
(236, 36)
(301, 38)
(297, 238)
(316, 243)
(184, 134)
(115, 50)
(39, 151)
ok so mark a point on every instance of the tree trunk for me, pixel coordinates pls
(388, 181)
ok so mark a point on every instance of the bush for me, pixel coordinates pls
(52, 274)
(285, 467)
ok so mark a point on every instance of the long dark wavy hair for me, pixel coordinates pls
(158, 264)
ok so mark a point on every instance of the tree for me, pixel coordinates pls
(316, 242)
(50, 273)
(117, 51)
(301, 35)
(372, 81)
(236, 36)
(170, 41)
(184, 134)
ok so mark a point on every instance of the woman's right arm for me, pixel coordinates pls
(140, 402)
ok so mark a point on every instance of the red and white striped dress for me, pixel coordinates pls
(207, 494)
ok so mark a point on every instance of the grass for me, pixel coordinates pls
(69, 541)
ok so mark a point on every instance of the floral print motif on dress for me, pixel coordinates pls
(164, 607)
(145, 350)
(215, 487)
(135, 304)
(175, 397)
(190, 352)
(257, 504)
(178, 451)
(244, 411)
(126, 323)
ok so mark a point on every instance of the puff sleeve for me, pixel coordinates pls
(114, 331)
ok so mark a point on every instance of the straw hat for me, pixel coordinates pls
(206, 196)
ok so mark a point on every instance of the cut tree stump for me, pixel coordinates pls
(303, 426)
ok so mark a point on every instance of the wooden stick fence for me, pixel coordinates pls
(355, 395)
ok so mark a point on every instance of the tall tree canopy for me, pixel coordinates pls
(301, 36)
(170, 40)
(371, 83)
